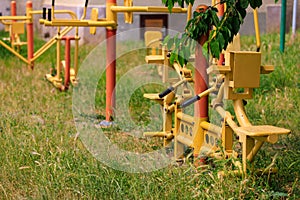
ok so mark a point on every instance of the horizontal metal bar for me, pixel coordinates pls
(14, 18)
(185, 118)
(184, 140)
(14, 52)
(155, 134)
(71, 13)
(146, 9)
(79, 23)
(211, 127)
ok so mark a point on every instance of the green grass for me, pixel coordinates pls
(43, 158)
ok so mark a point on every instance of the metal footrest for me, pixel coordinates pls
(167, 135)
(155, 59)
(261, 131)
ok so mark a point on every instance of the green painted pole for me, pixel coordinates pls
(282, 25)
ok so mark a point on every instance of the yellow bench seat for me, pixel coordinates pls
(260, 131)
(155, 59)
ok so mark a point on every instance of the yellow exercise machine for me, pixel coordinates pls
(15, 24)
(234, 81)
(110, 22)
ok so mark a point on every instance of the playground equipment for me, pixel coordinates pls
(15, 24)
(70, 74)
(234, 82)
(15, 29)
(110, 22)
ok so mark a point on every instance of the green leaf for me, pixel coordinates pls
(212, 34)
(180, 2)
(173, 57)
(190, 1)
(215, 18)
(170, 4)
(243, 13)
(187, 53)
(255, 3)
(181, 59)
(166, 39)
(226, 34)
(214, 48)
(244, 4)
(170, 43)
(221, 41)
(235, 25)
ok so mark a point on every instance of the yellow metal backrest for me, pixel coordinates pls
(246, 69)
(244, 74)
(17, 28)
(153, 40)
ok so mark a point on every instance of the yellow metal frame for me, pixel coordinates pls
(110, 22)
(202, 136)
(57, 80)
(11, 21)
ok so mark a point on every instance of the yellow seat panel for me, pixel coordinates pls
(155, 59)
(265, 130)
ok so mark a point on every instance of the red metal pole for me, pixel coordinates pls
(110, 72)
(67, 60)
(30, 49)
(220, 8)
(13, 12)
(13, 8)
(201, 82)
(110, 64)
(201, 77)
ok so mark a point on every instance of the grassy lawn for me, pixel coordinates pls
(42, 156)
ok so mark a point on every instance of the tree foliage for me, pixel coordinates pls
(202, 23)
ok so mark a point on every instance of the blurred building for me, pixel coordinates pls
(269, 17)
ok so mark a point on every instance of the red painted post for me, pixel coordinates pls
(201, 77)
(67, 60)
(13, 12)
(30, 49)
(220, 8)
(201, 82)
(13, 8)
(110, 72)
(110, 65)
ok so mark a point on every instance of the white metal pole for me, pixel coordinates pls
(294, 18)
